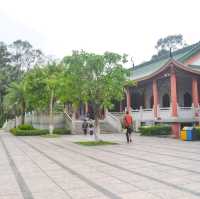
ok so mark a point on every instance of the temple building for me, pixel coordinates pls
(167, 90)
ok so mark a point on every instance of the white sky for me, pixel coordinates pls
(123, 26)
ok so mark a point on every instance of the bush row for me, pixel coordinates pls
(197, 130)
(155, 130)
(60, 131)
(19, 132)
(28, 130)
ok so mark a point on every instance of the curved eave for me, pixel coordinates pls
(170, 63)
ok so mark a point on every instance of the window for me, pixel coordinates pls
(187, 100)
(151, 102)
(166, 100)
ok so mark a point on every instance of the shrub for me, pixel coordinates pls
(13, 131)
(25, 127)
(19, 132)
(155, 130)
(197, 130)
(62, 131)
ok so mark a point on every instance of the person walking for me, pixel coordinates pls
(128, 124)
(85, 126)
(91, 127)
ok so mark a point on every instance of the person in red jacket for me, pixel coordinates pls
(128, 123)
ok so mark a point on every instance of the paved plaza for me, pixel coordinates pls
(56, 168)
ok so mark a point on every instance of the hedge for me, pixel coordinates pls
(19, 132)
(25, 127)
(62, 131)
(197, 130)
(34, 132)
(155, 130)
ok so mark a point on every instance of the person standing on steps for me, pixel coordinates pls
(128, 124)
(85, 126)
(91, 127)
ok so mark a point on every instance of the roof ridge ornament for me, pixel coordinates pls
(133, 65)
(170, 53)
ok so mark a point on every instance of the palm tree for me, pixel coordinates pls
(16, 97)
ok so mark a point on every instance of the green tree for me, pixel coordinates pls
(6, 76)
(16, 97)
(163, 45)
(24, 56)
(99, 79)
(42, 89)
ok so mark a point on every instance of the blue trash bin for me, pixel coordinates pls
(190, 133)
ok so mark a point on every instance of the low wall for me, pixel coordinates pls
(38, 120)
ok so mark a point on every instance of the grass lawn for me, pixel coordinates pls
(95, 143)
(50, 136)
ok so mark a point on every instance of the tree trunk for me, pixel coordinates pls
(23, 112)
(74, 109)
(97, 124)
(97, 129)
(51, 126)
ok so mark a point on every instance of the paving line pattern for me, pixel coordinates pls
(43, 170)
(26, 193)
(195, 193)
(99, 188)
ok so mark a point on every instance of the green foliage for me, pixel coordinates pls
(15, 60)
(6, 76)
(60, 131)
(24, 56)
(99, 79)
(95, 143)
(16, 98)
(164, 44)
(171, 41)
(197, 130)
(19, 132)
(28, 130)
(155, 130)
(25, 127)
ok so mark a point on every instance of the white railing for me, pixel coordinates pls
(164, 114)
(113, 121)
(68, 120)
(186, 113)
(143, 114)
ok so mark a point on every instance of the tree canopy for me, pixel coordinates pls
(15, 60)
(33, 84)
(98, 79)
(172, 42)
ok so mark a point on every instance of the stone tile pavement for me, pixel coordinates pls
(148, 168)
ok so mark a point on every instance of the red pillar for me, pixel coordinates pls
(174, 113)
(128, 99)
(195, 95)
(173, 94)
(155, 98)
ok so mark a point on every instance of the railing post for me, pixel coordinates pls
(141, 113)
(178, 109)
(158, 111)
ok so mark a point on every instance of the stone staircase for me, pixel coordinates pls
(118, 115)
(105, 127)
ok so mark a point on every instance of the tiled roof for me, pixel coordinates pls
(148, 68)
